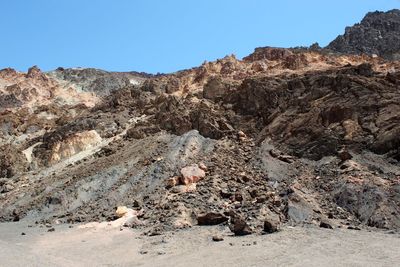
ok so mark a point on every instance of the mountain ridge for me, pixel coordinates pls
(282, 136)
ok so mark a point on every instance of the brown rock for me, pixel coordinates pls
(239, 227)
(217, 238)
(171, 182)
(237, 197)
(271, 225)
(325, 224)
(225, 193)
(286, 158)
(211, 218)
(344, 155)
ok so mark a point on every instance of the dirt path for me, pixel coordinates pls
(112, 247)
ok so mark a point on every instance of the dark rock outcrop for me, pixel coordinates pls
(378, 33)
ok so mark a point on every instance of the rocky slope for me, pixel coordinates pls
(284, 136)
(378, 33)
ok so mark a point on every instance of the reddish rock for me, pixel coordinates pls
(203, 166)
(192, 174)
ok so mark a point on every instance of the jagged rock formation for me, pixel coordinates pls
(98, 81)
(378, 33)
(283, 136)
(35, 88)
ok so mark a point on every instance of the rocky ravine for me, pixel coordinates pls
(283, 136)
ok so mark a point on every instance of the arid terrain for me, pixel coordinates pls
(293, 246)
(302, 137)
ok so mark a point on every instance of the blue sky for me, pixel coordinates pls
(164, 35)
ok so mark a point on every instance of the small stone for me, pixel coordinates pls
(225, 193)
(237, 197)
(184, 189)
(241, 134)
(51, 230)
(286, 158)
(136, 204)
(274, 153)
(217, 238)
(23, 233)
(261, 199)
(344, 155)
(353, 228)
(325, 224)
(203, 166)
(171, 182)
(277, 201)
(254, 193)
(121, 211)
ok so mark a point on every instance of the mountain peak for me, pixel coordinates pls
(378, 33)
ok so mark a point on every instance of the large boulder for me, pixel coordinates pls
(211, 218)
(192, 174)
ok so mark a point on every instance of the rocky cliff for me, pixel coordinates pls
(377, 34)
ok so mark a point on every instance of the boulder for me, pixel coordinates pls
(192, 174)
(271, 225)
(239, 227)
(211, 218)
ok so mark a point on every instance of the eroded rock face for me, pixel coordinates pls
(98, 81)
(36, 88)
(74, 144)
(378, 33)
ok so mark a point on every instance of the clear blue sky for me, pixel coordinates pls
(164, 35)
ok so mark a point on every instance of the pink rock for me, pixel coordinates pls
(203, 166)
(192, 174)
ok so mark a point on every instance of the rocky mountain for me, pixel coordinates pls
(283, 136)
(98, 81)
(377, 34)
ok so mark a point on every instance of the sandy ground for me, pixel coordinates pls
(297, 246)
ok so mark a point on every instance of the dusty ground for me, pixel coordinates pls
(298, 246)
